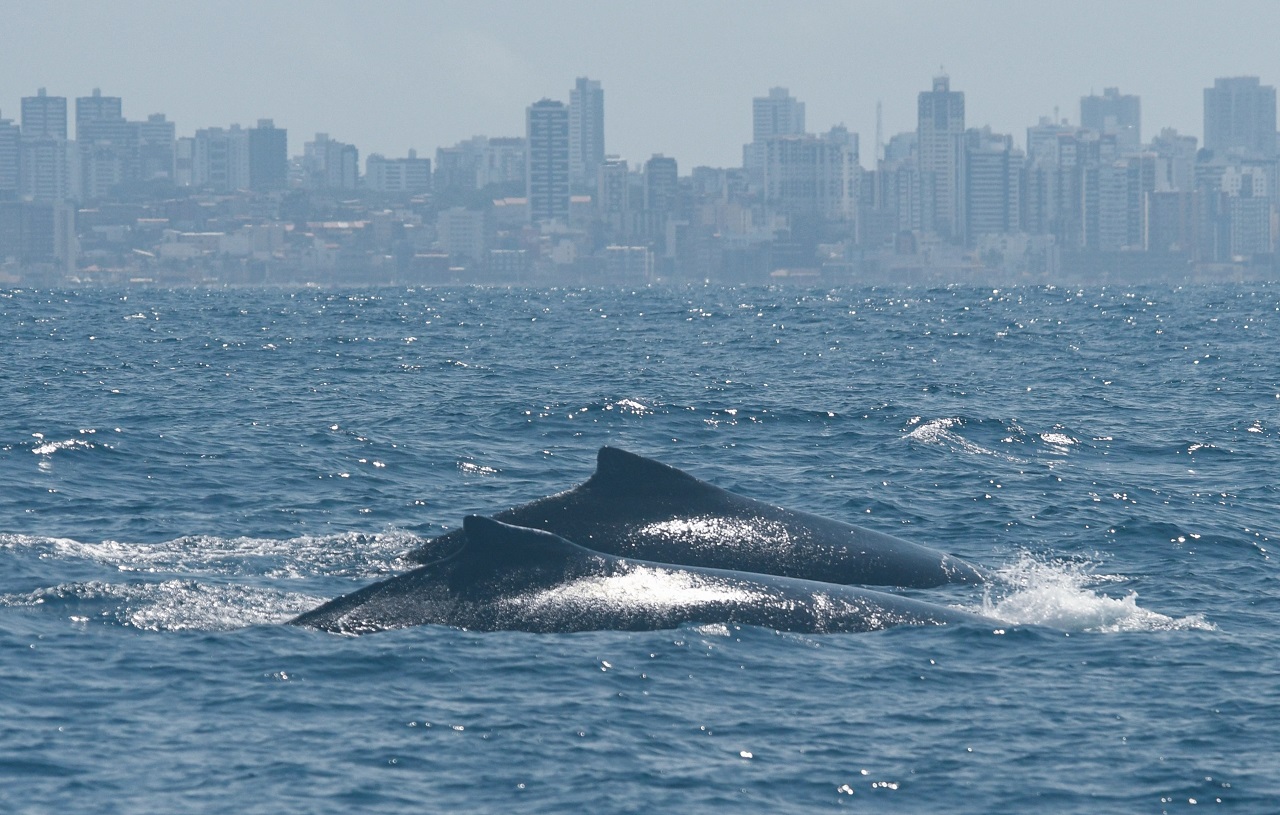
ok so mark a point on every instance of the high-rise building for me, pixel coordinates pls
(330, 164)
(808, 175)
(96, 108)
(405, 176)
(547, 170)
(993, 183)
(48, 169)
(1123, 187)
(661, 184)
(893, 195)
(268, 156)
(1114, 114)
(940, 145)
(1042, 138)
(44, 115)
(613, 187)
(1061, 190)
(10, 158)
(108, 144)
(1175, 161)
(778, 114)
(184, 151)
(457, 167)
(47, 165)
(586, 131)
(1240, 117)
(157, 138)
(220, 159)
(39, 234)
(501, 162)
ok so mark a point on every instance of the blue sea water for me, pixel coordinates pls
(182, 471)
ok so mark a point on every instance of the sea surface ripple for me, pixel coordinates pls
(181, 471)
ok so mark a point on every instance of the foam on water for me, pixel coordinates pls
(170, 605)
(1036, 591)
(346, 554)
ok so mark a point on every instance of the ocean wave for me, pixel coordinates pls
(944, 432)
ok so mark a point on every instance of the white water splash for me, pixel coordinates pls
(1060, 442)
(943, 433)
(1062, 595)
(471, 468)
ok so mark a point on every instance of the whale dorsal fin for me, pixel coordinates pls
(619, 469)
(500, 545)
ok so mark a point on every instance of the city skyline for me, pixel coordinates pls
(297, 148)
(405, 76)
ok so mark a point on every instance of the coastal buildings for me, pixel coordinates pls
(134, 200)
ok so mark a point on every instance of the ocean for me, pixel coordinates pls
(181, 471)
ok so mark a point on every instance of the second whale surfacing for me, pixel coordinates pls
(513, 578)
(639, 508)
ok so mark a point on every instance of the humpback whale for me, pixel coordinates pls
(635, 507)
(506, 577)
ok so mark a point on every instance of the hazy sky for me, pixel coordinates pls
(678, 75)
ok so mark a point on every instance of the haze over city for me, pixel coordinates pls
(398, 75)
(571, 143)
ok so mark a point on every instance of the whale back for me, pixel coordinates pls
(512, 578)
(636, 507)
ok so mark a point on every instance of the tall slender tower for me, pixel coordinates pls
(940, 146)
(586, 131)
(10, 158)
(547, 170)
